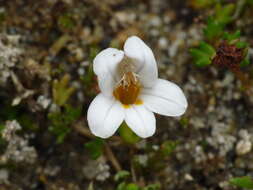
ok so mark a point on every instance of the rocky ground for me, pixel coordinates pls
(46, 85)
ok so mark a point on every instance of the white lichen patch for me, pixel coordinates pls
(9, 55)
(18, 149)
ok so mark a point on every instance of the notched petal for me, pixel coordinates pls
(107, 60)
(140, 120)
(146, 66)
(104, 116)
(165, 98)
(105, 67)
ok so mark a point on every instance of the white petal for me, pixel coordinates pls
(144, 58)
(140, 120)
(165, 98)
(104, 116)
(104, 66)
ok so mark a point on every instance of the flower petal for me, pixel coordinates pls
(104, 66)
(145, 62)
(104, 116)
(165, 98)
(140, 120)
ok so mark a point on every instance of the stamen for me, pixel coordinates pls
(128, 89)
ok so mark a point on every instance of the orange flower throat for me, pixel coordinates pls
(128, 89)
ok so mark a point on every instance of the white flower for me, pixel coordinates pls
(131, 91)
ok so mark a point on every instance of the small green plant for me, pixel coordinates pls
(217, 22)
(230, 48)
(203, 54)
(95, 148)
(61, 91)
(242, 182)
(168, 147)
(61, 121)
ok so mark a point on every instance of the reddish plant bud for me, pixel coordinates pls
(229, 56)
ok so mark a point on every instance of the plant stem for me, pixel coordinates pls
(80, 127)
(112, 158)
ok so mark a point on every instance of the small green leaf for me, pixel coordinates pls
(224, 14)
(61, 121)
(152, 187)
(95, 148)
(61, 90)
(217, 22)
(203, 54)
(207, 48)
(121, 186)
(168, 147)
(232, 36)
(243, 182)
(121, 175)
(132, 186)
(127, 134)
(241, 44)
(213, 28)
(245, 62)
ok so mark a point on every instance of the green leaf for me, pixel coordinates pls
(95, 148)
(168, 147)
(241, 44)
(132, 186)
(231, 36)
(207, 48)
(121, 175)
(152, 187)
(61, 121)
(213, 29)
(217, 22)
(243, 182)
(203, 54)
(62, 91)
(121, 186)
(224, 14)
(127, 134)
(245, 62)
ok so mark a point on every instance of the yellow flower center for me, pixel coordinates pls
(128, 89)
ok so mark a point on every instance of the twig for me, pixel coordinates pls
(59, 44)
(134, 178)
(79, 126)
(112, 158)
